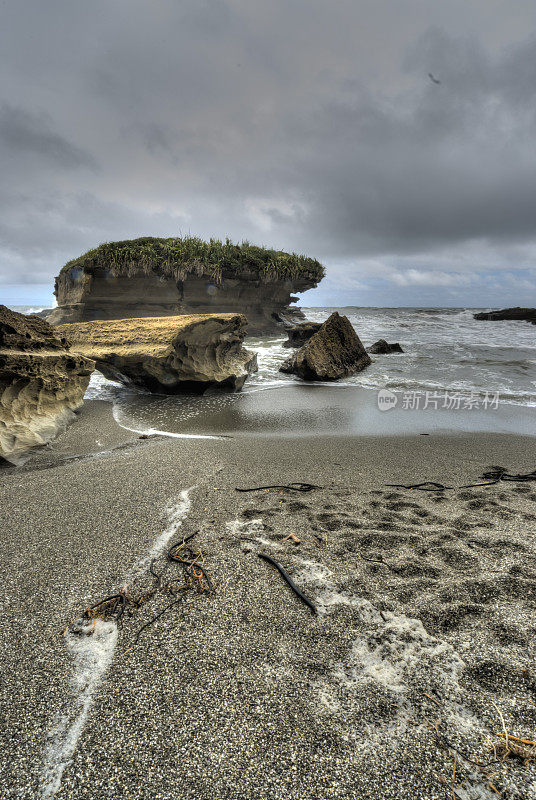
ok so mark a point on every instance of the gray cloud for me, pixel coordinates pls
(302, 124)
(24, 132)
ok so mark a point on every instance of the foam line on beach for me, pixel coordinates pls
(91, 645)
(91, 649)
(156, 432)
(176, 512)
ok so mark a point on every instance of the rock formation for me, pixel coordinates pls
(527, 314)
(301, 333)
(333, 352)
(41, 383)
(159, 277)
(381, 347)
(167, 354)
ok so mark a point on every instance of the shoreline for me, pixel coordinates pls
(98, 432)
(299, 409)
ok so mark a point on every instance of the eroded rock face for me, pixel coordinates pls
(301, 333)
(381, 347)
(41, 384)
(167, 354)
(334, 352)
(527, 314)
(124, 280)
(103, 297)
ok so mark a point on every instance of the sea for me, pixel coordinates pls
(451, 362)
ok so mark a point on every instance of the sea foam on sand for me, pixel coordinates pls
(92, 649)
(91, 645)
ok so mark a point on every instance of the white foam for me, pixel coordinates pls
(92, 650)
(396, 648)
(247, 528)
(176, 512)
(101, 388)
(251, 531)
(392, 651)
(267, 542)
(314, 573)
(91, 646)
(393, 655)
(155, 432)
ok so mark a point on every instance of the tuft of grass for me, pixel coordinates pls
(179, 257)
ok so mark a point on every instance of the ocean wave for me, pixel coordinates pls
(444, 350)
(28, 309)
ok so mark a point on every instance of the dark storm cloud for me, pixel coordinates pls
(440, 164)
(299, 123)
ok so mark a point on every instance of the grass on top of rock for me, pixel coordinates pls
(180, 257)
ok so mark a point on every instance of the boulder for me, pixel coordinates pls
(382, 347)
(527, 314)
(333, 352)
(301, 333)
(42, 384)
(167, 354)
(153, 277)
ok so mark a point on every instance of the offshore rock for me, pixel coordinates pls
(42, 384)
(167, 354)
(334, 351)
(301, 333)
(381, 347)
(526, 314)
(160, 277)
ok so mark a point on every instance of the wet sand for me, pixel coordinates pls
(301, 409)
(426, 617)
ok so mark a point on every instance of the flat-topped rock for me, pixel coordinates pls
(42, 384)
(333, 352)
(159, 277)
(189, 353)
(526, 314)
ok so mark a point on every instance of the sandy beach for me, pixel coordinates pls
(423, 635)
(268, 400)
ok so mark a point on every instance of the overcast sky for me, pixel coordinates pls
(308, 125)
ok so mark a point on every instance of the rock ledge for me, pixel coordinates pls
(167, 354)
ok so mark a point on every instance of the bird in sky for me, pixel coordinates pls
(434, 80)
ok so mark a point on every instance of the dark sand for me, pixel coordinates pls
(426, 618)
(300, 409)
